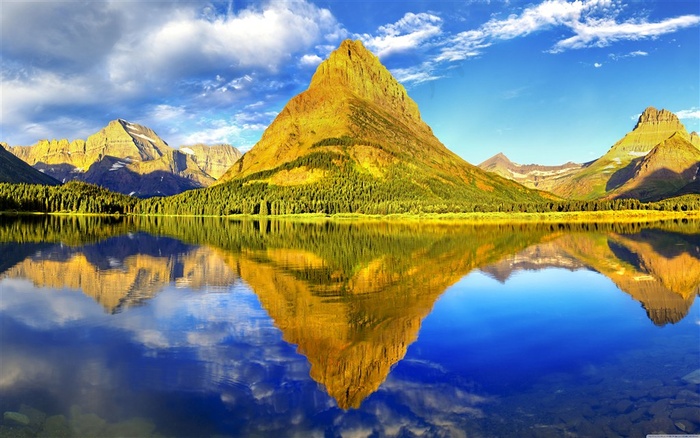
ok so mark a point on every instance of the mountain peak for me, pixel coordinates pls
(354, 68)
(652, 116)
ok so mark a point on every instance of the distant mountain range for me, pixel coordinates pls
(130, 158)
(354, 141)
(656, 160)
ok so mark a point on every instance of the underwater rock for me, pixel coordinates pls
(36, 417)
(685, 426)
(55, 426)
(15, 418)
(693, 377)
(690, 414)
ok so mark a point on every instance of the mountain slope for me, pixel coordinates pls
(14, 170)
(612, 169)
(127, 158)
(666, 169)
(356, 126)
(534, 176)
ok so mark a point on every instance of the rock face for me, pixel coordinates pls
(656, 160)
(668, 168)
(534, 176)
(359, 117)
(128, 158)
(614, 168)
(14, 170)
(214, 160)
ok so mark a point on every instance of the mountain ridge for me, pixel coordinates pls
(603, 178)
(129, 158)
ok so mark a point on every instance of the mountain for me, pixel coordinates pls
(14, 170)
(628, 169)
(534, 176)
(356, 131)
(669, 167)
(612, 170)
(214, 160)
(129, 158)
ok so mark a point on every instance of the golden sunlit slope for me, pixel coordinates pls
(666, 169)
(129, 158)
(356, 124)
(613, 169)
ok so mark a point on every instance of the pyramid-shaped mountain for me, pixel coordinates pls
(356, 131)
(129, 158)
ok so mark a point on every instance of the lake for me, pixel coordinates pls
(216, 327)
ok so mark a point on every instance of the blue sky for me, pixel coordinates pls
(542, 81)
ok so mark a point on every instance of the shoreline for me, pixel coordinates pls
(605, 216)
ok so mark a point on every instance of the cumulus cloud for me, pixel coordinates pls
(310, 60)
(107, 60)
(597, 65)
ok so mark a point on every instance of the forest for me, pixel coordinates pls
(348, 193)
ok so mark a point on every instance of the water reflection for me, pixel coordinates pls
(350, 299)
(659, 269)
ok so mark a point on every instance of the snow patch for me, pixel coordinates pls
(117, 165)
(187, 151)
(132, 193)
(609, 166)
(617, 160)
(637, 154)
(143, 136)
(42, 170)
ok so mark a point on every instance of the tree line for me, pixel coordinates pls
(342, 192)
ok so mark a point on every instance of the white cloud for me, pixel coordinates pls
(167, 112)
(634, 54)
(409, 33)
(310, 60)
(638, 53)
(687, 114)
(603, 32)
(416, 75)
(594, 23)
(597, 65)
(254, 38)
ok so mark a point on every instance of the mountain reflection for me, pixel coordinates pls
(659, 269)
(351, 297)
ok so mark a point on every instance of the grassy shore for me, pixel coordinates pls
(605, 216)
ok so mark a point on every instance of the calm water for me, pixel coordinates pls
(190, 327)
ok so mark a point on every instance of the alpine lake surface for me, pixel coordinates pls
(199, 327)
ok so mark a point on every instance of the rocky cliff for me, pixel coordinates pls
(129, 158)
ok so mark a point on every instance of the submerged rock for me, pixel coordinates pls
(693, 377)
(15, 418)
(55, 426)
